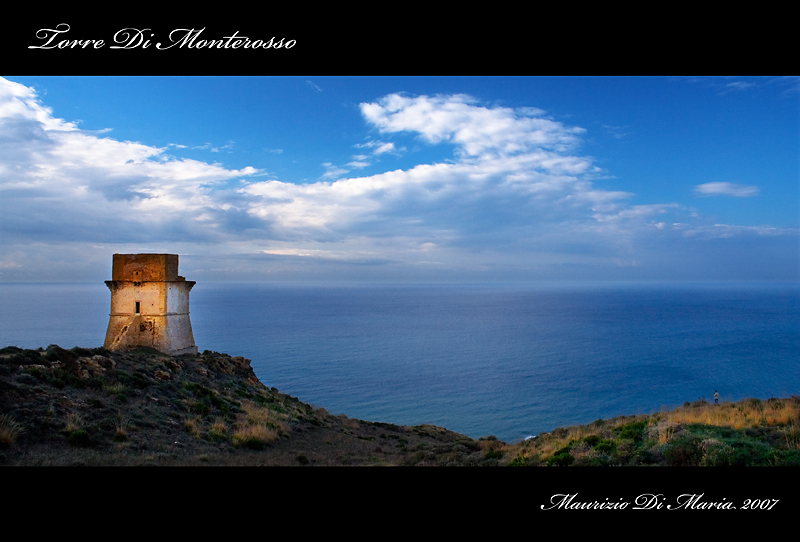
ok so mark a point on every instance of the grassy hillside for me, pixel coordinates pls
(746, 433)
(96, 407)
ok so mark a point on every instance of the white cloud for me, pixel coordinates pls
(476, 129)
(740, 85)
(378, 147)
(384, 147)
(332, 171)
(516, 194)
(726, 189)
(83, 183)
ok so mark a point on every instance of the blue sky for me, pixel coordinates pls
(402, 178)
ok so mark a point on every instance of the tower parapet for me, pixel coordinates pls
(149, 305)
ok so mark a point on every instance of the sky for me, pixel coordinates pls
(402, 179)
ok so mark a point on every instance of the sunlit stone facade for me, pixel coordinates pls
(149, 305)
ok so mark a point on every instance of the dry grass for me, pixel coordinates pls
(664, 430)
(74, 422)
(749, 413)
(121, 428)
(260, 415)
(219, 430)
(115, 388)
(782, 414)
(193, 426)
(258, 426)
(9, 431)
(254, 436)
(792, 435)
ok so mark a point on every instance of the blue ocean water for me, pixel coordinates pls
(507, 360)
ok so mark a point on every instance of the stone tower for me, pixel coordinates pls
(149, 305)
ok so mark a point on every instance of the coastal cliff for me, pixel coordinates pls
(141, 407)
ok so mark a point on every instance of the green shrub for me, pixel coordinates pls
(493, 454)
(685, 451)
(199, 408)
(606, 446)
(26, 357)
(208, 395)
(644, 457)
(565, 450)
(135, 380)
(563, 459)
(217, 436)
(519, 461)
(633, 431)
(789, 458)
(592, 440)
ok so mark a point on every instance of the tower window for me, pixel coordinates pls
(137, 307)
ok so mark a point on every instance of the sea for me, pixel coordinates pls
(509, 360)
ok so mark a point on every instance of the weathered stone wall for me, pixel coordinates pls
(178, 297)
(150, 295)
(143, 267)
